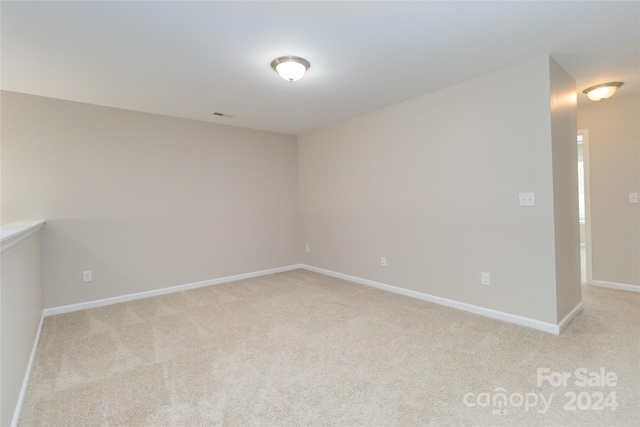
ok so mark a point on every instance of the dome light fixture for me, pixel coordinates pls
(602, 91)
(290, 68)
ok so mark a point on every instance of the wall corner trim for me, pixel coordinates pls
(573, 313)
(487, 312)
(612, 285)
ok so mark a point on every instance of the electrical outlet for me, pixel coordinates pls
(633, 197)
(306, 248)
(87, 276)
(527, 199)
(486, 278)
(383, 261)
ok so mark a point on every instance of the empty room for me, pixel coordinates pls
(319, 213)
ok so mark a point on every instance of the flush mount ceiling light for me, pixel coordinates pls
(603, 91)
(290, 68)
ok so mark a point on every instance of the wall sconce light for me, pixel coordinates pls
(290, 68)
(603, 91)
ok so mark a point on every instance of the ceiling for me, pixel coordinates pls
(191, 59)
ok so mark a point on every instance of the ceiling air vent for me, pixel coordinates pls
(226, 116)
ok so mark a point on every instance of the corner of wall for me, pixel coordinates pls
(563, 108)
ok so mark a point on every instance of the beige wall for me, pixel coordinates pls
(145, 201)
(565, 189)
(21, 303)
(614, 169)
(433, 183)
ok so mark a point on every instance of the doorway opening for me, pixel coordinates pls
(583, 206)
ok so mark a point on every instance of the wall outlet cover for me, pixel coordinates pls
(485, 278)
(527, 199)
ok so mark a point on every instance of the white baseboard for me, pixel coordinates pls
(163, 291)
(123, 298)
(612, 285)
(494, 314)
(27, 375)
(573, 313)
(487, 312)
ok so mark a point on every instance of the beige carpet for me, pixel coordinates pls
(300, 348)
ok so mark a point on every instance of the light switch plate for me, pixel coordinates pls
(527, 199)
(633, 197)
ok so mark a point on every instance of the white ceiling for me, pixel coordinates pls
(190, 59)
